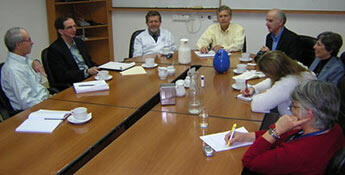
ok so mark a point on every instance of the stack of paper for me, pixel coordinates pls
(134, 71)
(216, 141)
(250, 74)
(117, 66)
(90, 86)
(43, 121)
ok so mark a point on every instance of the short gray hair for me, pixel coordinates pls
(322, 98)
(12, 37)
(224, 7)
(280, 15)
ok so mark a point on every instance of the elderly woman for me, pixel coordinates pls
(302, 143)
(327, 66)
(284, 74)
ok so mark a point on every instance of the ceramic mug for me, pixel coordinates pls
(79, 113)
(240, 83)
(162, 73)
(103, 74)
(241, 68)
(149, 62)
(180, 90)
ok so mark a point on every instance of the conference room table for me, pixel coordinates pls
(219, 98)
(41, 153)
(168, 143)
(70, 146)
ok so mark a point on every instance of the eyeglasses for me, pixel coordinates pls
(293, 106)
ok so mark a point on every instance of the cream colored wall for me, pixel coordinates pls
(125, 22)
(30, 14)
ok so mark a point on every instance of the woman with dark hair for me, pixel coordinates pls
(284, 74)
(302, 143)
(327, 66)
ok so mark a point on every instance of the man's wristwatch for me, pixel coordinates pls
(273, 133)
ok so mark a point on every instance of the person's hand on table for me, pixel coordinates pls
(204, 50)
(248, 93)
(240, 137)
(217, 47)
(93, 70)
(264, 49)
(37, 67)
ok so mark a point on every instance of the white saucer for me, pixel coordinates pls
(237, 72)
(251, 64)
(246, 60)
(148, 67)
(109, 77)
(73, 120)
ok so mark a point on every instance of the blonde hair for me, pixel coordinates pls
(276, 64)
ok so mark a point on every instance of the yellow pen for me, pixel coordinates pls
(232, 133)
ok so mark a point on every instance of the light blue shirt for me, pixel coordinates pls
(21, 84)
(276, 39)
(144, 43)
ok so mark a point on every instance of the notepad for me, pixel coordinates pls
(241, 97)
(216, 141)
(49, 114)
(111, 65)
(39, 125)
(250, 74)
(90, 86)
(134, 71)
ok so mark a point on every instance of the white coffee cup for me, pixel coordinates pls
(149, 61)
(79, 113)
(103, 74)
(241, 68)
(171, 70)
(165, 51)
(240, 83)
(162, 73)
(245, 56)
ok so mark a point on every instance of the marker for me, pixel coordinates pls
(232, 133)
(82, 85)
(202, 81)
(246, 91)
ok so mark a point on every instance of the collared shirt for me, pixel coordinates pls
(144, 43)
(276, 39)
(155, 36)
(21, 84)
(231, 39)
(78, 58)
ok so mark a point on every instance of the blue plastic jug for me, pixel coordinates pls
(221, 62)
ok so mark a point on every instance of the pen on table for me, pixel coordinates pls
(82, 85)
(246, 91)
(232, 133)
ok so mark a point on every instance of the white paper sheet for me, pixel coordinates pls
(111, 65)
(49, 114)
(38, 125)
(211, 53)
(216, 141)
(90, 86)
(134, 71)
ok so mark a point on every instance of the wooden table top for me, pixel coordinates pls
(196, 60)
(38, 153)
(219, 98)
(168, 143)
(125, 91)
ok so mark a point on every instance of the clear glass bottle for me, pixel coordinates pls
(195, 95)
(203, 120)
(184, 52)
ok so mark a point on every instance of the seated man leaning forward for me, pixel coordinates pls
(154, 39)
(69, 56)
(223, 35)
(21, 84)
(301, 143)
(280, 38)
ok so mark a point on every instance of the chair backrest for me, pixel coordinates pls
(131, 44)
(6, 109)
(341, 117)
(307, 49)
(45, 62)
(336, 166)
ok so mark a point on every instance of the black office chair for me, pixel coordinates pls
(54, 86)
(307, 49)
(131, 44)
(336, 166)
(6, 109)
